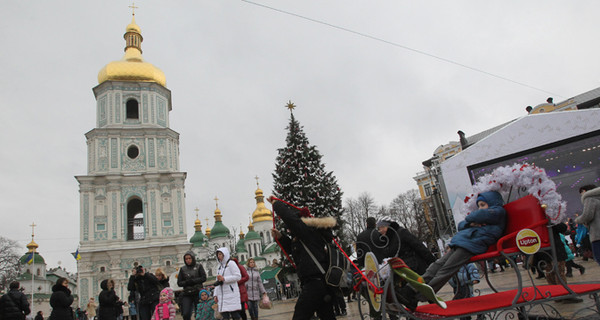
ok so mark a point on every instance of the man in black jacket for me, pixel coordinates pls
(307, 233)
(369, 241)
(146, 284)
(14, 305)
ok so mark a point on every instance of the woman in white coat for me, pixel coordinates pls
(227, 293)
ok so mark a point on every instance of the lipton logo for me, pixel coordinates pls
(528, 241)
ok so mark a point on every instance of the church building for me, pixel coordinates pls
(257, 243)
(132, 200)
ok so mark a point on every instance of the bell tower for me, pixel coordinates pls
(132, 200)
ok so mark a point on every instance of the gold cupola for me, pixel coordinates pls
(261, 213)
(132, 66)
(207, 232)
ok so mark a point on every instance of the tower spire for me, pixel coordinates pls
(32, 245)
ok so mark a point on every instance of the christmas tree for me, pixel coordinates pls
(301, 179)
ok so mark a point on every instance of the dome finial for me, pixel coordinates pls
(197, 223)
(257, 186)
(133, 7)
(32, 245)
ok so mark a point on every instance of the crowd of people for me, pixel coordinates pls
(238, 288)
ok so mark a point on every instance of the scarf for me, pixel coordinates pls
(165, 311)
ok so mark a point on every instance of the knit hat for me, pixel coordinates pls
(384, 221)
(169, 292)
(205, 291)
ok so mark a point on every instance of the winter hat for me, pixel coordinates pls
(205, 291)
(169, 293)
(481, 198)
(384, 221)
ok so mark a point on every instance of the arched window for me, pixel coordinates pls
(132, 109)
(102, 269)
(39, 273)
(135, 220)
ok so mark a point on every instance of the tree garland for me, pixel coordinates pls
(521, 176)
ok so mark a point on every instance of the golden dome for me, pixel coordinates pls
(198, 225)
(132, 66)
(261, 213)
(32, 246)
(133, 27)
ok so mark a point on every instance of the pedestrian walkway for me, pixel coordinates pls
(506, 280)
(502, 281)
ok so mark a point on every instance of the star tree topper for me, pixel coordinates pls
(290, 106)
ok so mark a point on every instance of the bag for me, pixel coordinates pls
(217, 314)
(265, 303)
(338, 264)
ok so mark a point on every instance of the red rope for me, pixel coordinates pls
(375, 288)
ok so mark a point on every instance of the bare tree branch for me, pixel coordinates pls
(9, 261)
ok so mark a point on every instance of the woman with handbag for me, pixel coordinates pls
(191, 277)
(256, 290)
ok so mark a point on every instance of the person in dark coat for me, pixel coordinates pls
(369, 240)
(191, 277)
(163, 279)
(109, 301)
(61, 300)
(39, 316)
(404, 245)
(146, 284)
(13, 304)
(312, 232)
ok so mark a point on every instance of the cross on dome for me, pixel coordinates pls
(133, 7)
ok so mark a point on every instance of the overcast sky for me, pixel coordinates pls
(378, 86)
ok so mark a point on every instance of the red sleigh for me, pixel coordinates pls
(527, 299)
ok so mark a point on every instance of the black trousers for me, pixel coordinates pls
(315, 297)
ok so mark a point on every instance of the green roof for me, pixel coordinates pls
(37, 258)
(269, 273)
(219, 230)
(252, 235)
(240, 247)
(273, 247)
(198, 239)
(27, 276)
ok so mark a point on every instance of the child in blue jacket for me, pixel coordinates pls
(480, 229)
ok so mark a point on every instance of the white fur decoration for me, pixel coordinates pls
(517, 176)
